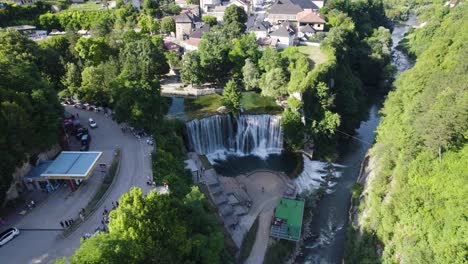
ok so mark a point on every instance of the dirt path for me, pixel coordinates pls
(263, 233)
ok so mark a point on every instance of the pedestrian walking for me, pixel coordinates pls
(263, 189)
(113, 205)
(103, 222)
(82, 217)
(62, 224)
(117, 203)
(77, 115)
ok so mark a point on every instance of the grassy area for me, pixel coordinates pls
(278, 252)
(315, 55)
(202, 106)
(254, 103)
(86, 6)
(248, 241)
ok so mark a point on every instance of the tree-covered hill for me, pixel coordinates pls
(29, 109)
(416, 198)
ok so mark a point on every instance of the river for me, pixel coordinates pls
(330, 216)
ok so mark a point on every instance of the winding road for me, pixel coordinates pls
(45, 243)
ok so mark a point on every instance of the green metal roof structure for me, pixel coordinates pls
(287, 221)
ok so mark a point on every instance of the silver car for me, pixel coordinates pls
(8, 235)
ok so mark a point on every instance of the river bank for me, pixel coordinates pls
(331, 216)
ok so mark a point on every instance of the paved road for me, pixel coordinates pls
(47, 246)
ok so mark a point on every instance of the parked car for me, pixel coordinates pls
(8, 235)
(92, 123)
(85, 142)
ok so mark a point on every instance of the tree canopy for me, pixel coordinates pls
(232, 96)
(415, 204)
(156, 229)
(29, 109)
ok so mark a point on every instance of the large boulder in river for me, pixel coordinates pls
(222, 110)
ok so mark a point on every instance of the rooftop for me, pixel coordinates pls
(310, 16)
(198, 33)
(307, 29)
(72, 164)
(260, 26)
(281, 32)
(287, 221)
(39, 169)
(186, 17)
(22, 27)
(291, 6)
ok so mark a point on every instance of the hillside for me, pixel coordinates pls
(414, 205)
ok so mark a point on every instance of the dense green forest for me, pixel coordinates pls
(29, 108)
(414, 206)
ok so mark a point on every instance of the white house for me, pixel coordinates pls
(260, 29)
(284, 36)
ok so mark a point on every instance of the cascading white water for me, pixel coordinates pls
(248, 134)
(312, 176)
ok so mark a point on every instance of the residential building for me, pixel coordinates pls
(195, 37)
(267, 42)
(260, 29)
(283, 10)
(311, 17)
(285, 37)
(207, 4)
(305, 31)
(185, 23)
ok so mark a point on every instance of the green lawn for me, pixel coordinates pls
(254, 103)
(315, 55)
(86, 6)
(202, 106)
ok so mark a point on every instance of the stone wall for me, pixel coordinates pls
(17, 185)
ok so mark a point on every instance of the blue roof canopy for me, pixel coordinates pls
(72, 165)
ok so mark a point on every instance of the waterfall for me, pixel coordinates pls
(248, 134)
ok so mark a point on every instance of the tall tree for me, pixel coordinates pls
(213, 49)
(210, 20)
(273, 83)
(148, 24)
(192, 71)
(97, 82)
(234, 20)
(168, 25)
(71, 81)
(93, 50)
(243, 48)
(251, 75)
(232, 96)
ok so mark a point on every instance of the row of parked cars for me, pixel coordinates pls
(84, 106)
